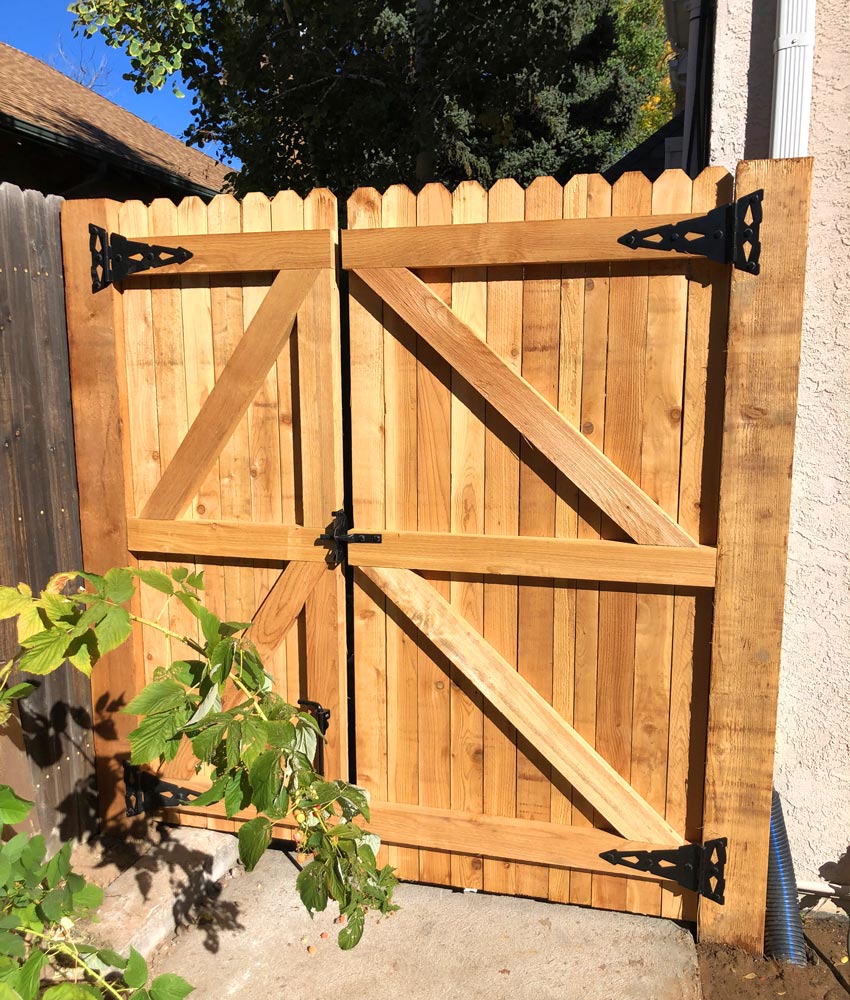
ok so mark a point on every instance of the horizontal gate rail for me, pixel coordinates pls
(560, 241)
(227, 540)
(237, 253)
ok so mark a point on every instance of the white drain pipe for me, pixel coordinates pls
(792, 78)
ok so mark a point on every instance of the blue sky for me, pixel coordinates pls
(38, 28)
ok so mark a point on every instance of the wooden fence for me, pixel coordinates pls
(52, 759)
(578, 456)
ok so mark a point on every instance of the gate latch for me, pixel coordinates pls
(145, 792)
(114, 257)
(337, 536)
(698, 867)
(728, 234)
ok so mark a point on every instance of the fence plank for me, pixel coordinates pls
(433, 449)
(95, 329)
(506, 202)
(398, 208)
(765, 317)
(469, 301)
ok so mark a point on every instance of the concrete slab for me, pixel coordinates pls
(143, 905)
(252, 943)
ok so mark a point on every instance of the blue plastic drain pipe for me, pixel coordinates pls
(783, 930)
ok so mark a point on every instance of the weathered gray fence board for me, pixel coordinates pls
(38, 492)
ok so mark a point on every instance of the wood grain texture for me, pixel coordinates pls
(561, 558)
(536, 418)
(279, 611)
(531, 242)
(95, 325)
(433, 454)
(398, 208)
(517, 700)
(366, 338)
(592, 416)
(232, 395)
(765, 317)
(506, 202)
(234, 253)
(227, 539)
(469, 303)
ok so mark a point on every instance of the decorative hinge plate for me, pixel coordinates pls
(728, 234)
(338, 537)
(114, 257)
(698, 867)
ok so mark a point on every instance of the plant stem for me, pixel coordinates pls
(69, 951)
(251, 695)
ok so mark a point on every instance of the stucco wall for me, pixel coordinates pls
(813, 739)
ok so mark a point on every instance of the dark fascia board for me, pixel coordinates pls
(19, 127)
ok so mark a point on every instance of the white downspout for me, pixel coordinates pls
(792, 78)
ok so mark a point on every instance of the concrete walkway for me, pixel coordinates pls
(252, 943)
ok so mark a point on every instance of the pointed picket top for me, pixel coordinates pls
(544, 199)
(224, 214)
(713, 186)
(192, 216)
(364, 209)
(287, 211)
(398, 206)
(320, 209)
(630, 191)
(506, 201)
(256, 213)
(670, 192)
(599, 195)
(469, 202)
(434, 205)
(133, 219)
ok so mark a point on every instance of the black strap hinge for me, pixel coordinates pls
(337, 537)
(698, 867)
(147, 793)
(114, 257)
(728, 234)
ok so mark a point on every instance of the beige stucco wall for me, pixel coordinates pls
(813, 739)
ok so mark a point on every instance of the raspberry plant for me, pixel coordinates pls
(258, 748)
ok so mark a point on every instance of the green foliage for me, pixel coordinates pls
(41, 899)
(259, 749)
(345, 93)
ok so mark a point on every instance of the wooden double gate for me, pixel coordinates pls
(577, 452)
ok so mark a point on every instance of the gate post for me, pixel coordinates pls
(98, 396)
(765, 316)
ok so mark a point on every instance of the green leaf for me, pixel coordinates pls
(112, 958)
(195, 580)
(72, 991)
(254, 738)
(136, 972)
(312, 886)
(13, 808)
(29, 622)
(210, 703)
(26, 979)
(45, 651)
(13, 602)
(11, 944)
(237, 795)
(353, 929)
(254, 837)
(215, 793)
(204, 742)
(149, 740)
(113, 629)
(170, 987)
(59, 865)
(266, 779)
(52, 906)
(14, 848)
(7, 993)
(154, 578)
(161, 696)
(179, 574)
(119, 586)
(281, 734)
(90, 897)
